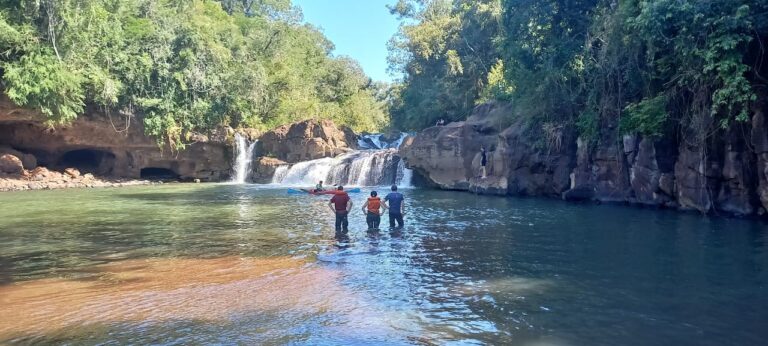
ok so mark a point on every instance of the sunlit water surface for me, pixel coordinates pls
(192, 264)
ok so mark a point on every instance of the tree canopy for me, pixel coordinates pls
(638, 66)
(180, 66)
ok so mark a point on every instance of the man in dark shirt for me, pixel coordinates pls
(394, 202)
(340, 204)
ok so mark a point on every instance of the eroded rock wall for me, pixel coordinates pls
(306, 140)
(108, 146)
(728, 174)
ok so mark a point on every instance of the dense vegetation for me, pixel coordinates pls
(634, 66)
(182, 66)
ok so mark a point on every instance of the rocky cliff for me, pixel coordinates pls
(306, 140)
(300, 141)
(108, 145)
(729, 175)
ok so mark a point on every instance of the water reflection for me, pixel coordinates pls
(250, 264)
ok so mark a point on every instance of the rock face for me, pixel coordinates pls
(264, 169)
(449, 156)
(108, 145)
(729, 174)
(306, 140)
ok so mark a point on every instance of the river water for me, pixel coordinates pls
(248, 264)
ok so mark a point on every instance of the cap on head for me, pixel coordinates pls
(394, 187)
(340, 188)
(374, 193)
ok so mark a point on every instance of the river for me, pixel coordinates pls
(250, 264)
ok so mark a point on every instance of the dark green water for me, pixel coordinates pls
(465, 270)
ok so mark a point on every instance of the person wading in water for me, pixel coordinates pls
(371, 210)
(340, 204)
(396, 205)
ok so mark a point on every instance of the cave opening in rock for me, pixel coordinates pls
(157, 173)
(88, 161)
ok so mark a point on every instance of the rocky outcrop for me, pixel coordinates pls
(449, 156)
(306, 140)
(728, 174)
(109, 145)
(264, 169)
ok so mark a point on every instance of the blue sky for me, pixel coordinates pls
(358, 28)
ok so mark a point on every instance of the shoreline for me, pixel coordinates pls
(43, 179)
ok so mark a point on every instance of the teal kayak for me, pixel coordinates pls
(326, 192)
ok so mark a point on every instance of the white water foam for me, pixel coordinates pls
(372, 167)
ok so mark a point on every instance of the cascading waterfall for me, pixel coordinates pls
(243, 158)
(380, 165)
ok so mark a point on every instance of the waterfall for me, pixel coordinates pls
(378, 164)
(359, 168)
(280, 174)
(243, 158)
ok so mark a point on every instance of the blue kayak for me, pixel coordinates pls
(326, 192)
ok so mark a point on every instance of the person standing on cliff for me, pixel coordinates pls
(341, 204)
(483, 161)
(394, 201)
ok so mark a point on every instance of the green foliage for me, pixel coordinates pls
(445, 51)
(498, 87)
(700, 46)
(600, 67)
(646, 117)
(181, 66)
(587, 124)
(39, 80)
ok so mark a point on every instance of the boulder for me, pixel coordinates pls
(11, 164)
(264, 169)
(307, 140)
(28, 160)
(40, 174)
(73, 173)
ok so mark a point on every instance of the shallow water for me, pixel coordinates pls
(187, 264)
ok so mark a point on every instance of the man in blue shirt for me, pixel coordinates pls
(394, 202)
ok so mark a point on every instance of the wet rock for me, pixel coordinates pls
(264, 169)
(11, 164)
(580, 193)
(489, 185)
